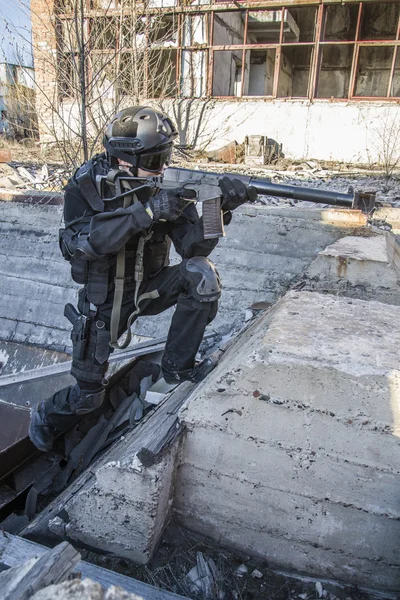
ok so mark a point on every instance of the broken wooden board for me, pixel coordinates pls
(15, 550)
(53, 566)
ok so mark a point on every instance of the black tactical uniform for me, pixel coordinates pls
(108, 232)
(119, 248)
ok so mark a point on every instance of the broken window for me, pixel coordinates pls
(69, 37)
(259, 72)
(132, 32)
(335, 69)
(227, 73)
(193, 73)
(67, 76)
(102, 75)
(194, 30)
(340, 22)
(264, 26)
(300, 24)
(103, 33)
(162, 67)
(228, 28)
(294, 72)
(373, 71)
(162, 30)
(379, 21)
(395, 87)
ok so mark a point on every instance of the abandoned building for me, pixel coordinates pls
(17, 101)
(322, 78)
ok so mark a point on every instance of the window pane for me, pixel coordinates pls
(103, 33)
(162, 29)
(264, 26)
(341, 22)
(294, 72)
(194, 30)
(194, 73)
(379, 21)
(227, 73)
(68, 42)
(373, 70)
(334, 77)
(228, 28)
(395, 91)
(162, 68)
(304, 19)
(103, 80)
(259, 72)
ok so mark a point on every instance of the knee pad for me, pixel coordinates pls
(203, 279)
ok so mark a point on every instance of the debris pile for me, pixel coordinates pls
(19, 176)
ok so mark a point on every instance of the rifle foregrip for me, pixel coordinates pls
(213, 225)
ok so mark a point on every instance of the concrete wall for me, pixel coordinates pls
(292, 450)
(36, 282)
(324, 130)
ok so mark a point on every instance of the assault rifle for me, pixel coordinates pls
(205, 184)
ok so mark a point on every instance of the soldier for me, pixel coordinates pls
(119, 251)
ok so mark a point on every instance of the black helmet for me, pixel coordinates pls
(141, 136)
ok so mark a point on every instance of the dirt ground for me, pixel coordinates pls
(227, 576)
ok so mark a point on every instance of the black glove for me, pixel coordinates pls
(235, 193)
(168, 205)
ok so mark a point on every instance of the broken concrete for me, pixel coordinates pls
(355, 267)
(292, 449)
(124, 503)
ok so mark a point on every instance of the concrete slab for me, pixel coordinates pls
(356, 267)
(292, 450)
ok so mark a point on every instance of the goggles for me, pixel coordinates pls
(155, 161)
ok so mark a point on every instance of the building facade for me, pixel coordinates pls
(321, 78)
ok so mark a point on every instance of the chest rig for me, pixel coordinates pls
(96, 196)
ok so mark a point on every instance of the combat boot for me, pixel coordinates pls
(60, 412)
(196, 374)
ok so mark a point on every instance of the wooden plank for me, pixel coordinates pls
(15, 550)
(54, 566)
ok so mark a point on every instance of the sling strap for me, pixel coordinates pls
(119, 285)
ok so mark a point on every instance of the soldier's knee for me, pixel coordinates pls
(202, 279)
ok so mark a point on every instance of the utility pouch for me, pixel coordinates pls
(79, 333)
(97, 281)
(80, 270)
(67, 243)
(102, 349)
(68, 240)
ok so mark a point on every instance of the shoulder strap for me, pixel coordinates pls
(87, 187)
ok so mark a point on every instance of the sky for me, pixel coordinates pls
(15, 32)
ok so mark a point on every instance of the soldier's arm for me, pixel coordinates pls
(109, 231)
(187, 234)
